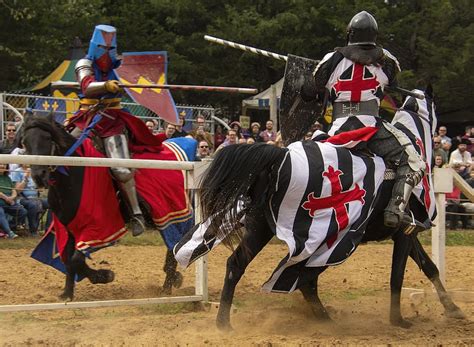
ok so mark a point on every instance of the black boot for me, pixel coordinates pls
(137, 224)
(393, 215)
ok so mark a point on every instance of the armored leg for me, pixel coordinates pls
(398, 153)
(117, 147)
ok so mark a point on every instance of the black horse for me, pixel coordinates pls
(247, 175)
(42, 135)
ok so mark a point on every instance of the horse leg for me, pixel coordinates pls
(309, 289)
(419, 255)
(103, 276)
(173, 277)
(401, 249)
(252, 243)
(68, 292)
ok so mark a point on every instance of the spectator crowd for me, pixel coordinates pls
(24, 208)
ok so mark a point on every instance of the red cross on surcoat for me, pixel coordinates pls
(357, 83)
(338, 200)
(425, 183)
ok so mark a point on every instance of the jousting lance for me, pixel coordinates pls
(285, 58)
(75, 85)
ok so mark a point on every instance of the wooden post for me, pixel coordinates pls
(273, 105)
(193, 182)
(443, 183)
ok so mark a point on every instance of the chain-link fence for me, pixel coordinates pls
(65, 107)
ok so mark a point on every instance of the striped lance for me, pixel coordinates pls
(285, 58)
(246, 48)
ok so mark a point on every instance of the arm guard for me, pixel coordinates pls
(85, 77)
(390, 67)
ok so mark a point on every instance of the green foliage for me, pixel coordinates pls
(433, 39)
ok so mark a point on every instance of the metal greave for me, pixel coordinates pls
(117, 147)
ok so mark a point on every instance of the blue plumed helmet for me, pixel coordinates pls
(103, 47)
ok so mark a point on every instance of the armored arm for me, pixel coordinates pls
(390, 67)
(89, 86)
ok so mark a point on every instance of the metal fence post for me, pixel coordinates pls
(2, 110)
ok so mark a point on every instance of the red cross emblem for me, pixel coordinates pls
(425, 183)
(357, 83)
(338, 200)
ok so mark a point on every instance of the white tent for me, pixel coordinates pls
(262, 100)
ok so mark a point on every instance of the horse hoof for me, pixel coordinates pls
(402, 323)
(455, 313)
(178, 280)
(66, 297)
(166, 290)
(102, 277)
(224, 326)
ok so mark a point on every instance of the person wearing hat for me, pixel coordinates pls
(255, 132)
(460, 159)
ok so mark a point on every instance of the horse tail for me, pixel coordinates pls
(227, 182)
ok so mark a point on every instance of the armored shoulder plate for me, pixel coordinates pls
(83, 68)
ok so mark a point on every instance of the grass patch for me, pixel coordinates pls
(453, 237)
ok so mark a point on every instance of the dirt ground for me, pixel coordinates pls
(356, 294)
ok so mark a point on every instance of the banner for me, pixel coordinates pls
(148, 68)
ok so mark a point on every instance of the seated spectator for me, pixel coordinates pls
(460, 160)
(268, 134)
(202, 135)
(236, 126)
(242, 140)
(29, 198)
(8, 205)
(438, 162)
(250, 141)
(279, 140)
(219, 136)
(8, 144)
(200, 121)
(230, 140)
(446, 146)
(170, 130)
(316, 126)
(308, 136)
(442, 132)
(151, 126)
(255, 132)
(469, 137)
(437, 150)
(203, 151)
(180, 132)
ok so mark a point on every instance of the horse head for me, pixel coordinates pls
(42, 135)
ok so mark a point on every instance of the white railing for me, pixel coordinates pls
(193, 172)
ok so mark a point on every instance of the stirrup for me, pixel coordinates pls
(409, 224)
(137, 224)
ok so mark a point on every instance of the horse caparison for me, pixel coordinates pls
(41, 135)
(243, 172)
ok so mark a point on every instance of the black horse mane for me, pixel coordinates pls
(59, 135)
(235, 169)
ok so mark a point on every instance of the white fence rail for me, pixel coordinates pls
(193, 171)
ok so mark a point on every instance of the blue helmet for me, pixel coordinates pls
(103, 47)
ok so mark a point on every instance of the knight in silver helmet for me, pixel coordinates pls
(352, 78)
